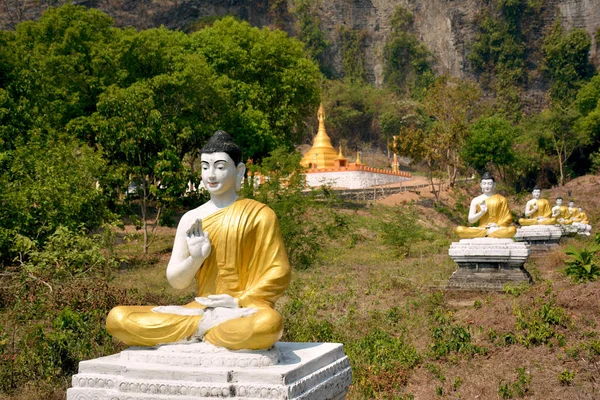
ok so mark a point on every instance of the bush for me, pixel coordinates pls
(305, 218)
(582, 266)
(566, 377)
(518, 388)
(381, 363)
(539, 324)
(451, 338)
(402, 230)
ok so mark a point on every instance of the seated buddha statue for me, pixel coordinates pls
(537, 210)
(582, 222)
(561, 212)
(572, 210)
(491, 212)
(234, 250)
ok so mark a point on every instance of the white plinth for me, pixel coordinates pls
(488, 263)
(316, 371)
(568, 230)
(539, 234)
(489, 250)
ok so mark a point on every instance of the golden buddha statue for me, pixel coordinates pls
(561, 212)
(234, 249)
(537, 210)
(581, 221)
(572, 211)
(491, 211)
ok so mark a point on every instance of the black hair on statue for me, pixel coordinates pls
(487, 175)
(221, 142)
(559, 198)
(536, 187)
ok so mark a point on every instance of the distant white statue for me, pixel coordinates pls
(490, 211)
(537, 210)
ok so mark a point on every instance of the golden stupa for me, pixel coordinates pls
(322, 154)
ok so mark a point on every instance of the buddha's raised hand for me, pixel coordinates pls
(198, 241)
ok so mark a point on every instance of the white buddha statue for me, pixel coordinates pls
(490, 211)
(234, 250)
(537, 210)
(581, 221)
(561, 212)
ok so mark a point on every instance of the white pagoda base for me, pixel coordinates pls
(488, 263)
(316, 371)
(540, 237)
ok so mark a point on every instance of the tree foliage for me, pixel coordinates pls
(407, 62)
(139, 104)
(491, 145)
(566, 62)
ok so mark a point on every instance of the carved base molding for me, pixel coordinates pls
(540, 237)
(315, 371)
(488, 264)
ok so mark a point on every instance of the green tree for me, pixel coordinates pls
(566, 62)
(407, 63)
(352, 114)
(57, 67)
(353, 54)
(557, 134)
(268, 83)
(139, 145)
(499, 52)
(308, 28)
(452, 105)
(588, 105)
(490, 146)
(47, 184)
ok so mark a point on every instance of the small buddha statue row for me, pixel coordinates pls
(490, 211)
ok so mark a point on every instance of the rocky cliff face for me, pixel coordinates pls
(447, 27)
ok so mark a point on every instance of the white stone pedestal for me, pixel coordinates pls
(540, 237)
(488, 263)
(316, 371)
(568, 230)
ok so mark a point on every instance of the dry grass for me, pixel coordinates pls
(361, 286)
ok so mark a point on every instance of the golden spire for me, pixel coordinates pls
(358, 160)
(322, 153)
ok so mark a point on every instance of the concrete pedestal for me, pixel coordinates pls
(568, 230)
(540, 237)
(316, 371)
(488, 263)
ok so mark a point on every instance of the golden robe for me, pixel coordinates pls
(544, 210)
(565, 215)
(247, 261)
(581, 218)
(573, 213)
(497, 213)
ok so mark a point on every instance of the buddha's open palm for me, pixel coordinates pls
(198, 241)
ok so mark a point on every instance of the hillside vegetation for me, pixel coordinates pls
(100, 130)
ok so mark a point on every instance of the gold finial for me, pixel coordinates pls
(321, 114)
(340, 155)
(358, 160)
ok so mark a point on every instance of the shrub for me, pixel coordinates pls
(539, 324)
(304, 217)
(518, 388)
(381, 364)
(451, 338)
(66, 254)
(402, 230)
(566, 377)
(582, 266)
